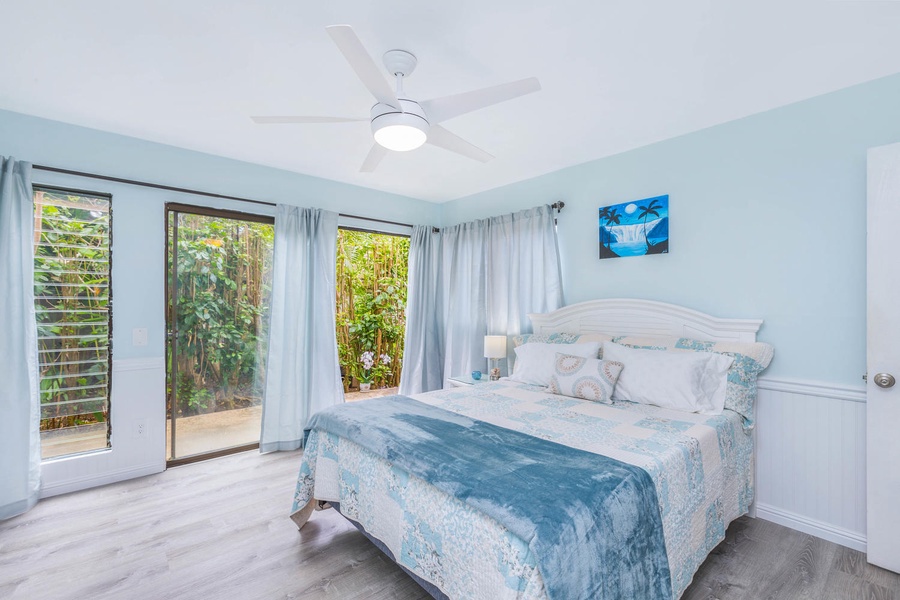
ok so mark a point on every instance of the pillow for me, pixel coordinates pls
(559, 338)
(535, 362)
(587, 378)
(750, 358)
(689, 382)
(555, 338)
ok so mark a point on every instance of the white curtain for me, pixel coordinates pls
(303, 373)
(20, 457)
(463, 290)
(493, 272)
(523, 272)
(423, 356)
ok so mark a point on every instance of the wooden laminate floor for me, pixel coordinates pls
(220, 530)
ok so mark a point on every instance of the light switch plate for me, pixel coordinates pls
(139, 336)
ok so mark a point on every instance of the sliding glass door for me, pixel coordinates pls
(219, 278)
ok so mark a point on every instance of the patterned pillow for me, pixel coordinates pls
(553, 338)
(586, 378)
(535, 363)
(750, 358)
(559, 338)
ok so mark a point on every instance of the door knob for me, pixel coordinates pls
(884, 380)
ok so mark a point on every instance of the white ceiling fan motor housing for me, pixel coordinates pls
(399, 62)
(400, 131)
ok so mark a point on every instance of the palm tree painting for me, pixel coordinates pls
(635, 228)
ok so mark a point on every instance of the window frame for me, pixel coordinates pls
(360, 229)
(39, 187)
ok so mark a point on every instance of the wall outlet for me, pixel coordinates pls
(139, 430)
(139, 336)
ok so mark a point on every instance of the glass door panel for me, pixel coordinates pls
(219, 278)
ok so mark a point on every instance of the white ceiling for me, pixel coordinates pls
(615, 74)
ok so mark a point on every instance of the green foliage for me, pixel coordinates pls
(192, 399)
(371, 305)
(71, 286)
(222, 284)
(221, 291)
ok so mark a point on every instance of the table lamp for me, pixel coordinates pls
(495, 349)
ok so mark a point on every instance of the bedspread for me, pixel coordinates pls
(699, 465)
(592, 522)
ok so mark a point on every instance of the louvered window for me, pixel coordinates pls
(72, 304)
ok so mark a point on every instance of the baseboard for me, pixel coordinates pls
(98, 479)
(843, 537)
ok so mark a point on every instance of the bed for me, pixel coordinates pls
(508, 490)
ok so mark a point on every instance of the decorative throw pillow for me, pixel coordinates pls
(689, 382)
(535, 361)
(587, 378)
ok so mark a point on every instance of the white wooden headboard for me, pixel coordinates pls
(630, 316)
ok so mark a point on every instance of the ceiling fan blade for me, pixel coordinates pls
(441, 109)
(348, 43)
(373, 158)
(282, 120)
(440, 137)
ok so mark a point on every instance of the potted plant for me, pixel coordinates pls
(367, 359)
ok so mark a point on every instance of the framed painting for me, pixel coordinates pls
(635, 228)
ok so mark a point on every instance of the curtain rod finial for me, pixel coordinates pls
(558, 205)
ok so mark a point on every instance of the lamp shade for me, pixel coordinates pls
(399, 130)
(495, 346)
(400, 137)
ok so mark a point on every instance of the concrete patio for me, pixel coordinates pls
(73, 440)
(195, 435)
(229, 428)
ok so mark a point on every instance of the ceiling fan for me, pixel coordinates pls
(400, 123)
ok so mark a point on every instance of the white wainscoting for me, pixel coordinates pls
(138, 394)
(811, 459)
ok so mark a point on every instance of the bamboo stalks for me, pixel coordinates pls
(370, 303)
(222, 286)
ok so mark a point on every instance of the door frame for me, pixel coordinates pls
(171, 289)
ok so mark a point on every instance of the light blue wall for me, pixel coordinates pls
(138, 213)
(767, 217)
(138, 377)
(58, 144)
(767, 221)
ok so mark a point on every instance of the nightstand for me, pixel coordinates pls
(466, 380)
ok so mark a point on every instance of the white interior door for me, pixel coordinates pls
(883, 358)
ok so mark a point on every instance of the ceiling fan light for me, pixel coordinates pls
(400, 137)
(400, 132)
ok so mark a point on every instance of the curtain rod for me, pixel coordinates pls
(171, 188)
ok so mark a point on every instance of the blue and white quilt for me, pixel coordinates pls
(700, 467)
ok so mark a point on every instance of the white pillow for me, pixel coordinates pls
(586, 378)
(535, 363)
(689, 382)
